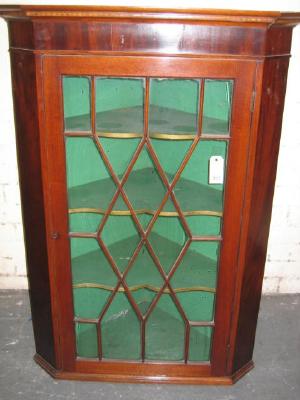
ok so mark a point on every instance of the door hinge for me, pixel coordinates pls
(252, 101)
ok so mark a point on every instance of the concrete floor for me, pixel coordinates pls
(275, 377)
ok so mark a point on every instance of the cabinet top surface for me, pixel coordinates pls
(155, 14)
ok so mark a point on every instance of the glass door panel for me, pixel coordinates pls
(200, 199)
(167, 238)
(173, 108)
(119, 106)
(165, 332)
(217, 106)
(200, 343)
(144, 187)
(89, 182)
(77, 107)
(120, 330)
(195, 280)
(145, 213)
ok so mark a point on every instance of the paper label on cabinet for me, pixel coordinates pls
(216, 170)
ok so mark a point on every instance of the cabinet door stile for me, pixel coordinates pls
(52, 142)
(230, 272)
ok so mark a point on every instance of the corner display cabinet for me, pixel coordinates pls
(147, 146)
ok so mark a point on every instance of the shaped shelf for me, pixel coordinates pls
(145, 195)
(120, 327)
(164, 335)
(167, 121)
(195, 268)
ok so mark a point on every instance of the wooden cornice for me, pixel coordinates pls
(238, 17)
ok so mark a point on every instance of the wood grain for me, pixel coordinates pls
(33, 206)
(260, 202)
(250, 47)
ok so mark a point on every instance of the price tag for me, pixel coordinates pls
(216, 170)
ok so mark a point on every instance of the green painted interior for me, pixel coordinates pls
(218, 98)
(120, 102)
(200, 343)
(120, 330)
(114, 93)
(164, 337)
(84, 222)
(76, 96)
(91, 186)
(180, 95)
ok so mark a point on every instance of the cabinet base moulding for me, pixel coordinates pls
(201, 380)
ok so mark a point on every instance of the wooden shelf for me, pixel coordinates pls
(125, 325)
(146, 194)
(196, 271)
(120, 332)
(130, 120)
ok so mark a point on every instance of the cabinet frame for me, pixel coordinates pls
(253, 47)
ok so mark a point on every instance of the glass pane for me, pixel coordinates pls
(173, 107)
(194, 280)
(89, 302)
(120, 236)
(167, 238)
(90, 186)
(89, 264)
(198, 268)
(84, 222)
(144, 187)
(202, 225)
(86, 340)
(165, 332)
(92, 277)
(200, 343)
(200, 200)
(144, 280)
(170, 154)
(119, 105)
(197, 305)
(114, 148)
(77, 109)
(217, 106)
(193, 190)
(121, 330)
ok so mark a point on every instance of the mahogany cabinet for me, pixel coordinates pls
(147, 147)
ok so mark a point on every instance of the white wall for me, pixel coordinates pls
(283, 263)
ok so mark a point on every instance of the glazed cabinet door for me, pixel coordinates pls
(145, 162)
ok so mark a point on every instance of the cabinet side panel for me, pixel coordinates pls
(279, 40)
(29, 163)
(268, 139)
(21, 34)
